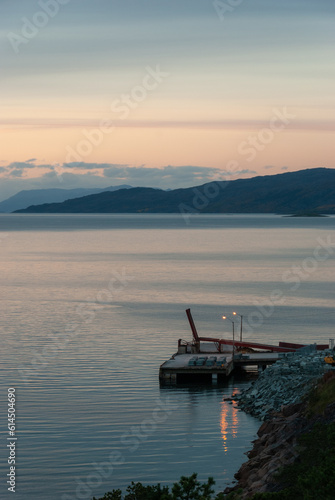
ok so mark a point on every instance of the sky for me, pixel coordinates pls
(163, 93)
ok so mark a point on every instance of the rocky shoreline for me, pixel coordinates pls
(278, 398)
(284, 383)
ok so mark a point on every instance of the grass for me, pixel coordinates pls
(322, 395)
(312, 476)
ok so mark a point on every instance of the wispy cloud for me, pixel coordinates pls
(22, 165)
(231, 124)
(94, 166)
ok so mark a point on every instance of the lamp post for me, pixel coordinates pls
(240, 315)
(232, 322)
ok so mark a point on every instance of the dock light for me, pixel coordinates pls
(240, 315)
(233, 323)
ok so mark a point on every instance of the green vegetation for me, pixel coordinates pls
(188, 488)
(322, 395)
(312, 476)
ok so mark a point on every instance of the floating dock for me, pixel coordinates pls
(187, 367)
(210, 366)
(213, 360)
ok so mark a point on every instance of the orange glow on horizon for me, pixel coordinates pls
(157, 147)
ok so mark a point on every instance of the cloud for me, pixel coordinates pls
(245, 172)
(58, 178)
(93, 166)
(316, 125)
(21, 165)
(16, 172)
(165, 177)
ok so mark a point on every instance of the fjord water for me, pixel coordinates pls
(92, 305)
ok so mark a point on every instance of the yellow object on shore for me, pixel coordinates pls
(329, 360)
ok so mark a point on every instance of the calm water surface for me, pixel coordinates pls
(92, 305)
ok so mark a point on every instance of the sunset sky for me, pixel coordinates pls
(166, 93)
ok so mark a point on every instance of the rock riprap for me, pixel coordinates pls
(283, 383)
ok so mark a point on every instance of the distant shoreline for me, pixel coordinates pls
(307, 214)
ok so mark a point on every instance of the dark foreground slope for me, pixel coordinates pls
(310, 190)
(294, 455)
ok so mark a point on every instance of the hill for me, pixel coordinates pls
(311, 190)
(26, 198)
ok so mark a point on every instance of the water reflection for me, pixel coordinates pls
(229, 422)
(235, 420)
(224, 424)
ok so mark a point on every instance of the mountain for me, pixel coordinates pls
(26, 198)
(311, 190)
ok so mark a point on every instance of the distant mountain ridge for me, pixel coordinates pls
(311, 190)
(26, 198)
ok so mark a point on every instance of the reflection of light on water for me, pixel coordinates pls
(224, 425)
(234, 418)
(228, 423)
